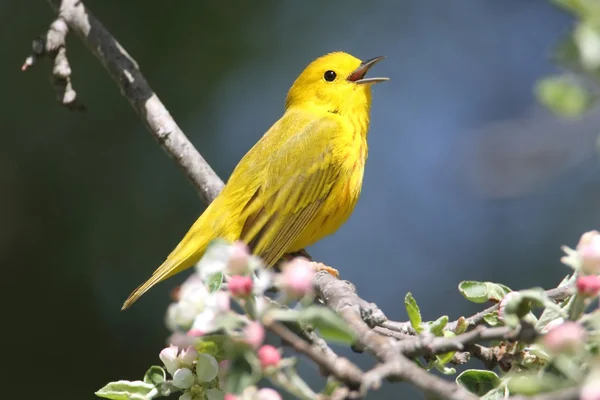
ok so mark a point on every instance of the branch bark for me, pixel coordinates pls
(126, 74)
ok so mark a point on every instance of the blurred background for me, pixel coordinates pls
(468, 177)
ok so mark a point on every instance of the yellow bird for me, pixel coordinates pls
(300, 181)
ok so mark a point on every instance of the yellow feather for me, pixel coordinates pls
(300, 181)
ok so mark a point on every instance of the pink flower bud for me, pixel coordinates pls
(188, 356)
(169, 357)
(297, 277)
(254, 334)
(267, 394)
(588, 286)
(238, 260)
(229, 396)
(195, 333)
(591, 387)
(568, 336)
(589, 251)
(240, 286)
(501, 307)
(269, 356)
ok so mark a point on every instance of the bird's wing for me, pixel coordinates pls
(298, 177)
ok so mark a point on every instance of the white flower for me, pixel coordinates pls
(207, 368)
(262, 281)
(214, 259)
(169, 357)
(188, 356)
(186, 396)
(204, 322)
(183, 378)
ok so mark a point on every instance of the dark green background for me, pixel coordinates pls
(468, 178)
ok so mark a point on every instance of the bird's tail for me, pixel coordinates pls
(185, 255)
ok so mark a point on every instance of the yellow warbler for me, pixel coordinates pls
(302, 179)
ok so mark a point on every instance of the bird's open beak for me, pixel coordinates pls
(358, 75)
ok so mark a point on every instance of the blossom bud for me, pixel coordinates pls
(502, 306)
(267, 394)
(568, 336)
(183, 378)
(297, 278)
(229, 396)
(588, 286)
(169, 357)
(238, 260)
(254, 334)
(240, 286)
(589, 251)
(188, 356)
(268, 356)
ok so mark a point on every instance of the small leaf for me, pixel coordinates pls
(481, 292)
(126, 390)
(436, 327)
(155, 375)
(461, 326)
(443, 368)
(242, 373)
(414, 313)
(331, 386)
(446, 357)
(498, 393)
(491, 318)
(478, 381)
(214, 282)
(213, 345)
(329, 324)
(563, 96)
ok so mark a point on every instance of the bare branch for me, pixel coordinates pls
(125, 72)
(339, 367)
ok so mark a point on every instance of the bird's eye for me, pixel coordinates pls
(330, 76)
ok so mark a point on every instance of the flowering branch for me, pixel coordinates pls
(216, 349)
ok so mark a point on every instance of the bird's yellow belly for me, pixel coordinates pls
(336, 209)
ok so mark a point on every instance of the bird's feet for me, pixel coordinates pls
(318, 267)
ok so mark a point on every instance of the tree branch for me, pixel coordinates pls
(126, 73)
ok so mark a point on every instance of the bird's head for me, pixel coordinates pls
(336, 82)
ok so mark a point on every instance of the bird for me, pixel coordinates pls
(301, 181)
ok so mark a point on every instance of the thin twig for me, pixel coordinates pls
(125, 72)
(339, 367)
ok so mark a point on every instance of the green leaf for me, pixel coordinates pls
(446, 357)
(443, 368)
(478, 381)
(155, 375)
(563, 96)
(328, 324)
(436, 327)
(242, 372)
(414, 313)
(215, 345)
(331, 386)
(214, 282)
(491, 318)
(481, 292)
(461, 326)
(498, 393)
(126, 390)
